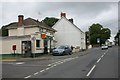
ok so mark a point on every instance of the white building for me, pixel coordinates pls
(26, 36)
(68, 33)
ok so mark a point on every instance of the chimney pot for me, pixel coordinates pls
(71, 20)
(63, 14)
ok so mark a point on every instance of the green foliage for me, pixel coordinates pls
(117, 35)
(117, 38)
(50, 21)
(4, 31)
(97, 31)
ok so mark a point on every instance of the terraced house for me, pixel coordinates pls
(28, 37)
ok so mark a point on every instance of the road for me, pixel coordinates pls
(93, 63)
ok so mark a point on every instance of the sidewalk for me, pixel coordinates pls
(46, 57)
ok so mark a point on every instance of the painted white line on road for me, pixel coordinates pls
(61, 62)
(104, 53)
(36, 73)
(98, 60)
(20, 63)
(76, 57)
(51, 67)
(28, 77)
(102, 56)
(42, 70)
(47, 68)
(54, 65)
(91, 70)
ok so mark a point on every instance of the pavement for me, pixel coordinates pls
(42, 57)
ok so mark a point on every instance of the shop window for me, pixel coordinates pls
(37, 43)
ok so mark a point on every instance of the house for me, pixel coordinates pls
(28, 37)
(68, 33)
(117, 38)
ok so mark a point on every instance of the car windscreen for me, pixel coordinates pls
(61, 47)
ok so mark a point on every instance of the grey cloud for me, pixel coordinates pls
(83, 13)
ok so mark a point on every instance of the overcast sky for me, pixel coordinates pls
(83, 13)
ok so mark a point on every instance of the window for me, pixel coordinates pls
(37, 43)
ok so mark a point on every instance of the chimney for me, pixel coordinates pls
(20, 20)
(71, 20)
(63, 15)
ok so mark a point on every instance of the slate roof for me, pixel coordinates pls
(29, 22)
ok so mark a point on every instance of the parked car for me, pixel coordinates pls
(104, 46)
(62, 50)
(110, 45)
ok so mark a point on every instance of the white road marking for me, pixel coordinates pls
(28, 76)
(42, 70)
(91, 70)
(47, 68)
(20, 63)
(102, 55)
(51, 67)
(98, 60)
(54, 65)
(76, 57)
(36, 73)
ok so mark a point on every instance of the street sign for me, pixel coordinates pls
(98, 40)
(43, 35)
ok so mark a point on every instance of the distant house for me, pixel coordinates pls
(117, 38)
(29, 36)
(68, 33)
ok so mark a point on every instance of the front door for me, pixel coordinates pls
(45, 46)
(26, 48)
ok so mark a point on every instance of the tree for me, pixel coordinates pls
(97, 31)
(105, 34)
(117, 38)
(4, 31)
(50, 21)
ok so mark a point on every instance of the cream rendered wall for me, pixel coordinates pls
(12, 32)
(7, 45)
(23, 31)
(37, 49)
(30, 30)
(20, 31)
(67, 34)
(83, 45)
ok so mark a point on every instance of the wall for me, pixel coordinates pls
(12, 32)
(23, 31)
(20, 31)
(7, 45)
(30, 30)
(67, 34)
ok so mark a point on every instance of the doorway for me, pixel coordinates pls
(45, 46)
(26, 49)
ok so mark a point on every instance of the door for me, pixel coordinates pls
(26, 48)
(45, 46)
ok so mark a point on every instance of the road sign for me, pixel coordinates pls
(98, 40)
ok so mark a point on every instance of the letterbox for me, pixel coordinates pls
(14, 47)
